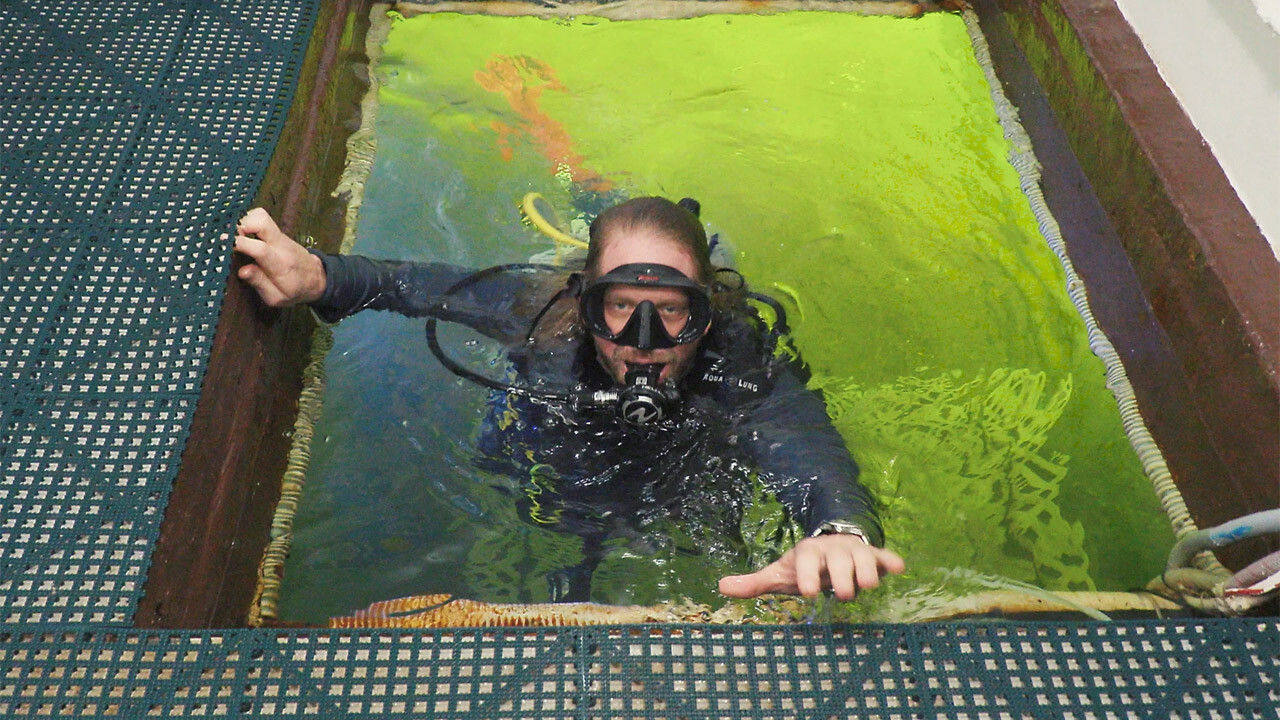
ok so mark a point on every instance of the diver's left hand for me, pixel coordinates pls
(843, 563)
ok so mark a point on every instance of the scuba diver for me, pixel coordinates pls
(625, 365)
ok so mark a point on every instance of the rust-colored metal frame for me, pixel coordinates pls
(1179, 274)
(204, 568)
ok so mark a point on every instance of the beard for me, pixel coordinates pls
(674, 363)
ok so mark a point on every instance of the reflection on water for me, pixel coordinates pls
(857, 167)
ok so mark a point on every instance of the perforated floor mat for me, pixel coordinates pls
(134, 135)
(1124, 670)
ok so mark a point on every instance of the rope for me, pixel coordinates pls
(1023, 159)
(362, 145)
(310, 404)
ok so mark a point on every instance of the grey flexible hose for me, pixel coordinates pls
(1265, 522)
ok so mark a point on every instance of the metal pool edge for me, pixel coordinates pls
(1178, 272)
(204, 568)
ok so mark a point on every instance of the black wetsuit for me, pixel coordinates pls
(738, 404)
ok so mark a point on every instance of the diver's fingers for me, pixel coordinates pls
(840, 569)
(260, 223)
(279, 261)
(866, 567)
(810, 562)
(252, 247)
(890, 561)
(272, 261)
(286, 265)
(771, 579)
(259, 281)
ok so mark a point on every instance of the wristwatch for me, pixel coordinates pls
(841, 527)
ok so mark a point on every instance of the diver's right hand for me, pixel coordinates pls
(282, 271)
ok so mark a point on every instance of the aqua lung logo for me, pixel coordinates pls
(730, 381)
(641, 411)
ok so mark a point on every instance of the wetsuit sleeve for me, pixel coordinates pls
(354, 283)
(805, 461)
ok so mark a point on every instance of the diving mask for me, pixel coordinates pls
(608, 301)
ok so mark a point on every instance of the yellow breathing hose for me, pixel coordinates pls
(529, 206)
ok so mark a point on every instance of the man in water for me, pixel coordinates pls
(647, 299)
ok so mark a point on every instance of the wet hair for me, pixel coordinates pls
(677, 223)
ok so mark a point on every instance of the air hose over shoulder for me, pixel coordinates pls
(642, 401)
(433, 340)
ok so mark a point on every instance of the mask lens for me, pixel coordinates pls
(646, 306)
(668, 307)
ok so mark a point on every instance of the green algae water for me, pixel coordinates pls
(856, 167)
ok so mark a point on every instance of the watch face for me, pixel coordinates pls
(836, 527)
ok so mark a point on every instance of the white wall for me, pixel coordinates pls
(1222, 60)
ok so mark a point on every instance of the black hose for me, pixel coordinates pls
(456, 368)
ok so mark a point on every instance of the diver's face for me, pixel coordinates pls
(641, 246)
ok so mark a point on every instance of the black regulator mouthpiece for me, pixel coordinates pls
(643, 400)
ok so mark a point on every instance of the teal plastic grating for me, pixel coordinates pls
(1196, 670)
(135, 133)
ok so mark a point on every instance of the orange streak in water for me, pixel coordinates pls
(523, 80)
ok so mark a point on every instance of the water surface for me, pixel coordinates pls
(857, 167)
